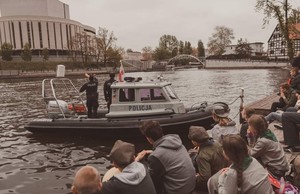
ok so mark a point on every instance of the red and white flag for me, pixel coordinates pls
(121, 73)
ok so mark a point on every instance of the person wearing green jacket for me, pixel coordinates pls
(208, 156)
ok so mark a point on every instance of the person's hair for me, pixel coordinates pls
(236, 150)
(222, 121)
(249, 111)
(87, 180)
(285, 86)
(151, 129)
(198, 134)
(91, 77)
(295, 69)
(111, 75)
(258, 123)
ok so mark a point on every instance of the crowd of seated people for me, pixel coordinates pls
(224, 164)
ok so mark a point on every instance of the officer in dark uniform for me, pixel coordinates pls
(107, 89)
(91, 89)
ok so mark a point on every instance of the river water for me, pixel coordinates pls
(32, 164)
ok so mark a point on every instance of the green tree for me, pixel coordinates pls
(181, 47)
(26, 53)
(161, 53)
(187, 48)
(284, 14)
(6, 52)
(114, 54)
(243, 48)
(219, 40)
(106, 40)
(45, 54)
(200, 49)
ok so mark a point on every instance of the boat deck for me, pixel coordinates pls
(263, 106)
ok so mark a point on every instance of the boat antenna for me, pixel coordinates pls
(241, 104)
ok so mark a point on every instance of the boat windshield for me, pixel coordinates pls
(151, 94)
(171, 92)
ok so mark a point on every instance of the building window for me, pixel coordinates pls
(67, 33)
(61, 37)
(54, 29)
(9, 30)
(21, 34)
(13, 34)
(41, 35)
(33, 45)
(272, 52)
(28, 34)
(0, 37)
(47, 26)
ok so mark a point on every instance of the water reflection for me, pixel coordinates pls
(46, 164)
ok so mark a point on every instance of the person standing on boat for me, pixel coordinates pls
(107, 89)
(91, 89)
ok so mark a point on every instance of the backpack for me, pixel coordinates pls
(294, 175)
(282, 186)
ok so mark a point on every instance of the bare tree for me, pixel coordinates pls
(147, 53)
(105, 41)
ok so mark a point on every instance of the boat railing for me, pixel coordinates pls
(67, 87)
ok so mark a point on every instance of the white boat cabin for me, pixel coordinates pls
(140, 98)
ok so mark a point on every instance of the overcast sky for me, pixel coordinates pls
(140, 23)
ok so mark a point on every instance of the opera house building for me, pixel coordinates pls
(41, 24)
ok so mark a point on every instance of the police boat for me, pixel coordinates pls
(133, 101)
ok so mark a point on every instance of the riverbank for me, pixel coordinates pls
(15, 74)
(241, 64)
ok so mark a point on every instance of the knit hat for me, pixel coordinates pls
(198, 134)
(221, 109)
(122, 153)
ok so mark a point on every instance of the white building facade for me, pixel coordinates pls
(41, 24)
(257, 49)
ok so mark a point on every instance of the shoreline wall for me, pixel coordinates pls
(234, 64)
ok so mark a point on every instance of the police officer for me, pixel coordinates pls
(91, 88)
(107, 89)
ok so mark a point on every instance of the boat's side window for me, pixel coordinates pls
(127, 95)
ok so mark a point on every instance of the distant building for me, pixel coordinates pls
(257, 49)
(133, 56)
(277, 46)
(41, 24)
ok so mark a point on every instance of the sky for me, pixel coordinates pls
(140, 23)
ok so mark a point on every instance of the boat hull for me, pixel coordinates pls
(120, 127)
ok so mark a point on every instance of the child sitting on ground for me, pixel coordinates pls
(224, 124)
(246, 114)
(267, 149)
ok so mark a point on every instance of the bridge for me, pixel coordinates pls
(196, 62)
